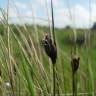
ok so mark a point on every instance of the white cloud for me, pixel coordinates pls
(56, 2)
(93, 12)
(20, 5)
(80, 16)
(0, 15)
(80, 13)
(12, 13)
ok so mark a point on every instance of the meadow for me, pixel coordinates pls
(26, 70)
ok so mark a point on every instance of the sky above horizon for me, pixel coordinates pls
(75, 13)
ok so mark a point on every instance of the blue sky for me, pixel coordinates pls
(3, 3)
(82, 2)
(27, 8)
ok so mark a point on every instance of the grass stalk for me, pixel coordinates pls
(53, 80)
(53, 33)
(74, 84)
(89, 50)
(54, 41)
(9, 52)
(53, 28)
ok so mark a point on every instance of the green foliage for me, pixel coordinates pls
(33, 67)
(1, 29)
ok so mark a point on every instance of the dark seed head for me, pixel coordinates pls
(50, 48)
(75, 63)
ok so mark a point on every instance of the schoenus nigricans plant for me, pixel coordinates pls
(75, 65)
(51, 51)
(50, 47)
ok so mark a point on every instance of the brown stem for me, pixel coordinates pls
(53, 80)
(74, 85)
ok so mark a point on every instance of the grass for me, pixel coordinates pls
(41, 80)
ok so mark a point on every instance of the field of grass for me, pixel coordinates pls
(26, 70)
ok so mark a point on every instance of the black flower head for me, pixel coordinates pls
(75, 63)
(50, 48)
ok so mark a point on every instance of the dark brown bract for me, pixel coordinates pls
(75, 63)
(50, 48)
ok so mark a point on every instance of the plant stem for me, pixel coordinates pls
(73, 82)
(9, 51)
(53, 80)
(53, 28)
(74, 85)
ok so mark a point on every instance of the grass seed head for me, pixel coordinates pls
(75, 63)
(50, 48)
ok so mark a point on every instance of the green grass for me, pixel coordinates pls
(33, 71)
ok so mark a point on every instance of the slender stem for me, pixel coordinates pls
(9, 51)
(57, 83)
(53, 80)
(1, 94)
(19, 85)
(74, 84)
(53, 28)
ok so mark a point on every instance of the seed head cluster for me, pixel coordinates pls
(75, 63)
(50, 48)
